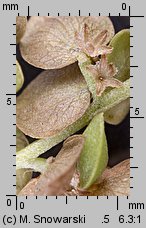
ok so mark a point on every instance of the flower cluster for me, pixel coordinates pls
(102, 71)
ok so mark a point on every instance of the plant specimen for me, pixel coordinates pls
(85, 82)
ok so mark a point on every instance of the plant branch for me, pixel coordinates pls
(91, 83)
(105, 102)
(37, 164)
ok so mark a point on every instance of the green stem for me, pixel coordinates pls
(104, 103)
(37, 164)
(91, 83)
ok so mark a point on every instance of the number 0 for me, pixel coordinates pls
(123, 6)
(8, 202)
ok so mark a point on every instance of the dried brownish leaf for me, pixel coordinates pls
(58, 176)
(29, 189)
(20, 27)
(114, 182)
(53, 101)
(50, 42)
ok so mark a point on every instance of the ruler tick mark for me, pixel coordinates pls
(137, 16)
(133, 66)
(28, 11)
(66, 200)
(11, 94)
(117, 203)
(137, 117)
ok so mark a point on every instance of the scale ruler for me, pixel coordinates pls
(84, 211)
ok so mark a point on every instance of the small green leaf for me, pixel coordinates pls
(120, 57)
(118, 113)
(23, 176)
(94, 157)
(19, 77)
(21, 140)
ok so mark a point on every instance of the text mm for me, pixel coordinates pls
(10, 6)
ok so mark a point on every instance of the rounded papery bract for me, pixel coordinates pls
(20, 27)
(50, 42)
(52, 101)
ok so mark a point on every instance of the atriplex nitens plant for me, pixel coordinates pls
(86, 78)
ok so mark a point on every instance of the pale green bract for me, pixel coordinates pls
(118, 113)
(94, 157)
(120, 57)
(23, 176)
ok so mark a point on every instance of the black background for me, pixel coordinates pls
(118, 137)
